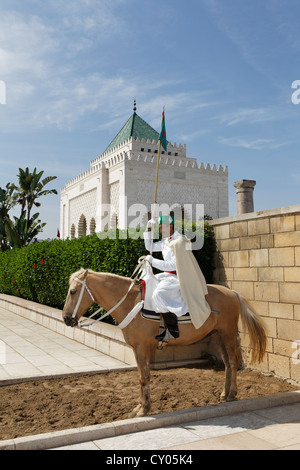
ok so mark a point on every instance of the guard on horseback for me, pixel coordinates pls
(166, 298)
(182, 287)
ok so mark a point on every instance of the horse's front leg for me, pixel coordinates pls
(142, 355)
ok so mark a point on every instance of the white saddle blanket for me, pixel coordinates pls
(151, 282)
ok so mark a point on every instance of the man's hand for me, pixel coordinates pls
(149, 258)
(150, 224)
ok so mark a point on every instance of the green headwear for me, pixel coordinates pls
(166, 220)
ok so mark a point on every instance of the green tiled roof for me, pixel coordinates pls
(134, 127)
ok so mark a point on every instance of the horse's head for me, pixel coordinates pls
(79, 298)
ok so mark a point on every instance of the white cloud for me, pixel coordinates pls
(248, 115)
(50, 82)
(258, 144)
(25, 45)
(190, 137)
(254, 115)
(43, 88)
(90, 16)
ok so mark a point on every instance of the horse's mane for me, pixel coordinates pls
(90, 271)
(78, 273)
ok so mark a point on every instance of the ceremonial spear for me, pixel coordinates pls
(162, 142)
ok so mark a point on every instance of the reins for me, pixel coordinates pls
(137, 272)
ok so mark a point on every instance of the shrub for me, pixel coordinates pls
(40, 272)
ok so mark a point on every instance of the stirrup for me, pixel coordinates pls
(162, 335)
(166, 335)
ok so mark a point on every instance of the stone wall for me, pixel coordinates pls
(258, 255)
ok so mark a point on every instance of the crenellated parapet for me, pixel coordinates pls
(141, 145)
(146, 152)
(114, 158)
(181, 162)
(86, 174)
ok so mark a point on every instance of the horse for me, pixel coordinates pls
(106, 289)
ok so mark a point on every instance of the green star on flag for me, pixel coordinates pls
(163, 135)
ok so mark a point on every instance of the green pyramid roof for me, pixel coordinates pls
(134, 127)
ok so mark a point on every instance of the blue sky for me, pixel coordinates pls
(222, 69)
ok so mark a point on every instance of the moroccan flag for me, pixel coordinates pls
(58, 233)
(163, 135)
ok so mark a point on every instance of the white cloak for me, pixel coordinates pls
(185, 291)
(193, 286)
(166, 297)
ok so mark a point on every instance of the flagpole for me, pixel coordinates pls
(158, 159)
(156, 179)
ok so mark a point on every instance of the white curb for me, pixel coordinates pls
(100, 431)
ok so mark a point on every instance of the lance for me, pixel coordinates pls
(162, 135)
(162, 141)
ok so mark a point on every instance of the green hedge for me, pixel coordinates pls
(40, 272)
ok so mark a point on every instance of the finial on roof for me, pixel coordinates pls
(134, 106)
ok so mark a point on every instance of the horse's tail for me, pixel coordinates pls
(256, 329)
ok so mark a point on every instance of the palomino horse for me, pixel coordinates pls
(106, 289)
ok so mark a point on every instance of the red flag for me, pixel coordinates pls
(58, 233)
(163, 135)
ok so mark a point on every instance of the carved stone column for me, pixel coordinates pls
(244, 196)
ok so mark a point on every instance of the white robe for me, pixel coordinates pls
(166, 296)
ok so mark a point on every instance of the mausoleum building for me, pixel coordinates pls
(105, 196)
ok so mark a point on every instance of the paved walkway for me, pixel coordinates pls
(267, 429)
(29, 350)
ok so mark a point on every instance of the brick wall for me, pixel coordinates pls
(258, 255)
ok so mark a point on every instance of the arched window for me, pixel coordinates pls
(82, 226)
(92, 226)
(114, 221)
(73, 230)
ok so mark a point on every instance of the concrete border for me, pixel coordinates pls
(129, 426)
(106, 338)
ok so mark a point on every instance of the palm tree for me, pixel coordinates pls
(22, 231)
(8, 200)
(31, 187)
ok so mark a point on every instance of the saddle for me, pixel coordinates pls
(148, 283)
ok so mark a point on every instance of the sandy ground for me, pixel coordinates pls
(51, 405)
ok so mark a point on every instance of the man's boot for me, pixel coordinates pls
(171, 330)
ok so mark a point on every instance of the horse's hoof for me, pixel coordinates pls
(136, 412)
(141, 413)
(231, 398)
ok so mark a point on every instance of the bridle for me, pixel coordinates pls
(83, 286)
(129, 316)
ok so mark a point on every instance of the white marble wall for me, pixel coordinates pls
(126, 176)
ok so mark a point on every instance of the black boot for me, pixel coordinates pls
(171, 330)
